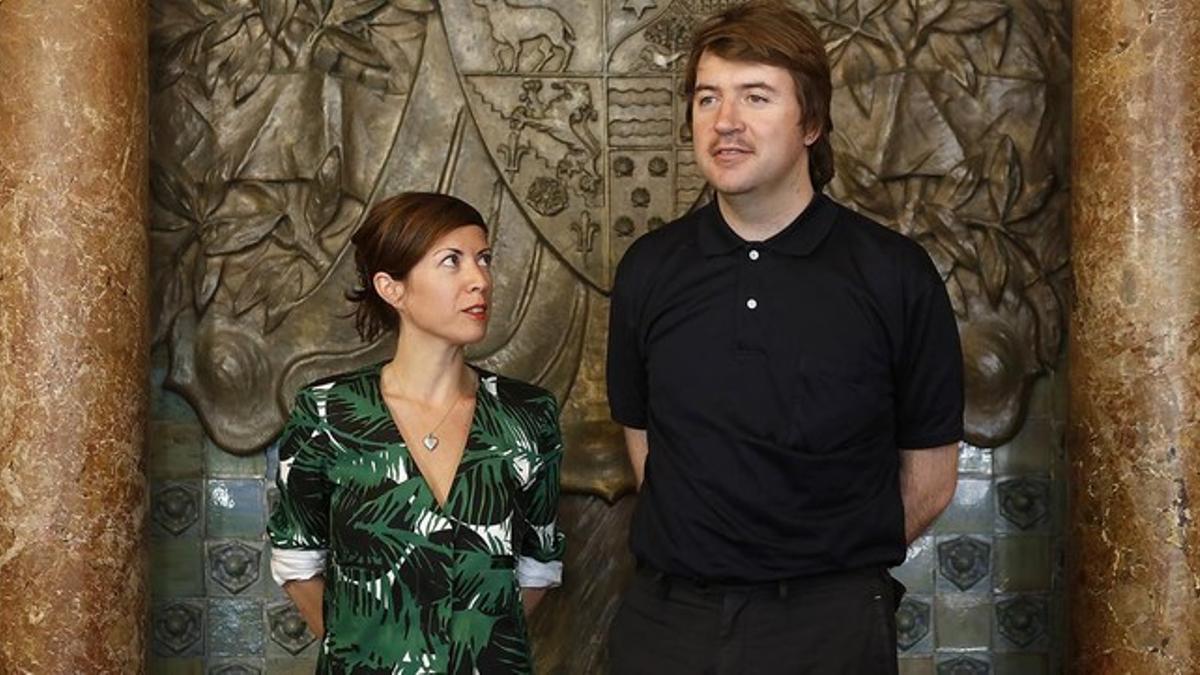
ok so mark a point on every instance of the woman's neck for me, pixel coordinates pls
(425, 370)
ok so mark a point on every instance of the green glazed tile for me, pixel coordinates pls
(918, 569)
(971, 511)
(916, 666)
(223, 464)
(235, 628)
(176, 568)
(177, 509)
(1020, 664)
(238, 666)
(167, 406)
(235, 508)
(234, 567)
(169, 666)
(1025, 622)
(305, 665)
(288, 635)
(1023, 563)
(1032, 451)
(962, 662)
(175, 449)
(964, 621)
(974, 460)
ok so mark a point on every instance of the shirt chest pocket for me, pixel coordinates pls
(838, 410)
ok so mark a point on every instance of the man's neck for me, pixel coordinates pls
(756, 219)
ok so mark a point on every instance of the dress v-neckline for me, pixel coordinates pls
(408, 447)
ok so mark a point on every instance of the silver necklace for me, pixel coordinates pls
(431, 440)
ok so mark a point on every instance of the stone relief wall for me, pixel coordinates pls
(277, 122)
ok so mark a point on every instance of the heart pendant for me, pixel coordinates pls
(430, 442)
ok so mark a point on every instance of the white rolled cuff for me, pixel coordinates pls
(296, 564)
(533, 573)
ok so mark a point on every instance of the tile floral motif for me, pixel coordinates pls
(288, 628)
(235, 669)
(178, 628)
(963, 665)
(1023, 619)
(234, 565)
(964, 561)
(912, 622)
(176, 507)
(1024, 502)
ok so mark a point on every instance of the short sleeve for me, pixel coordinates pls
(301, 516)
(929, 373)
(626, 368)
(542, 545)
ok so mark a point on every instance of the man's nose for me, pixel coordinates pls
(728, 118)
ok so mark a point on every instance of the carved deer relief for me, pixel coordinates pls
(515, 26)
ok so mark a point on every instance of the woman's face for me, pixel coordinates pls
(448, 292)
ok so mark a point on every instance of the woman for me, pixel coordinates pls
(415, 527)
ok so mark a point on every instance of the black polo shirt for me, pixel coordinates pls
(777, 381)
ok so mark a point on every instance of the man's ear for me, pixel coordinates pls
(389, 288)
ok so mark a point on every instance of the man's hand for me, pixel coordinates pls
(638, 447)
(928, 477)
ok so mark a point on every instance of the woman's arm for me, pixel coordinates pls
(308, 595)
(530, 597)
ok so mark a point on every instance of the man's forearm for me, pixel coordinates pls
(927, 481)
(638, 448)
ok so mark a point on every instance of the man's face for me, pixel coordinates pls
(746, 127)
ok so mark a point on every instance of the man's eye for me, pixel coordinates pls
(757, 98)
(705, 100)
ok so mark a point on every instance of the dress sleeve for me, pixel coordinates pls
(541, 547)
(299, 525)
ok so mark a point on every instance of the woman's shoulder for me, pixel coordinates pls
(352, 382)
(513, 391)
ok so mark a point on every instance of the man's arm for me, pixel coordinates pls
(927, 480)
(638, 447)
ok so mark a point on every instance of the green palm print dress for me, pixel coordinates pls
(412, 587)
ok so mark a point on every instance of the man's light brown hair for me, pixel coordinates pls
(396, 234)
(773, 33)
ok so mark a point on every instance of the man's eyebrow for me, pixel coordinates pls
(757, 84)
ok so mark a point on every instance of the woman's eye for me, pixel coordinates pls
(485, 260)
(450, 261)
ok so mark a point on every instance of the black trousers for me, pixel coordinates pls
(835, 624)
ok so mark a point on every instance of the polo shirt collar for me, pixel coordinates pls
(800, 238)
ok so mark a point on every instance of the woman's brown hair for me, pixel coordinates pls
(772, 33)
(397, 232)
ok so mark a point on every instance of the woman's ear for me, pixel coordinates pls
(388, 288)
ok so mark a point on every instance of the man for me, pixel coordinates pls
(789, 377)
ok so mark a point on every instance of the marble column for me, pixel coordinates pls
(1134, 441)
(73, 336)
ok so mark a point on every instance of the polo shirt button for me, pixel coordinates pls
(751, 303)
(753, 254)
